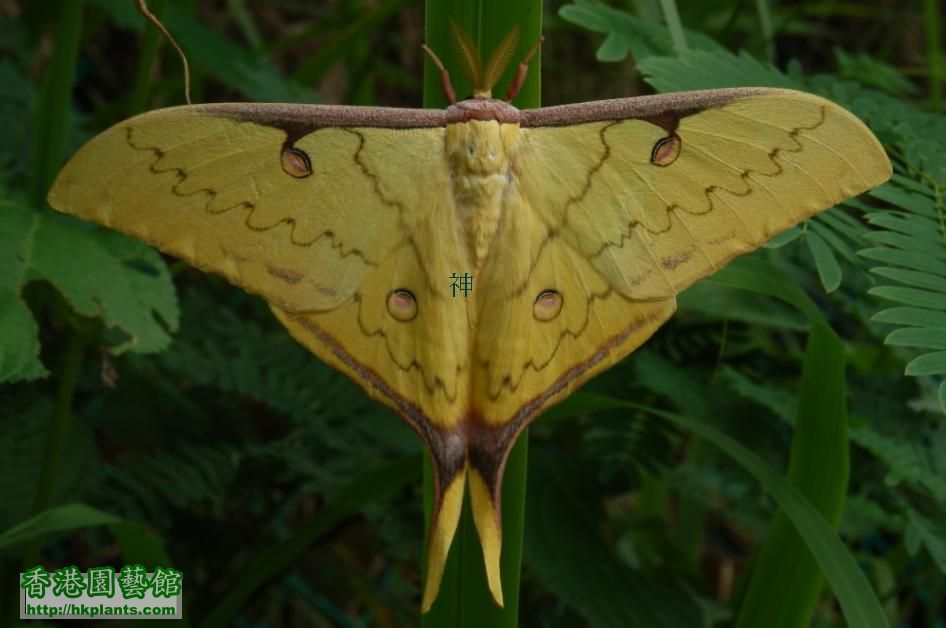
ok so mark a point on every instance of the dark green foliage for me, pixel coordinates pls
(193, 430)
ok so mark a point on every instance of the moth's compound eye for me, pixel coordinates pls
(402, 305)
(547, 305)
(665, 151)
(295, 162)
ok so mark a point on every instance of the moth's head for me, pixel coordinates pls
(482, 109)
(483, 78)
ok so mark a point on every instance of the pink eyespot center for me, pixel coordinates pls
(402, 305)
(665, 151)
(295, 162)
(547, 305)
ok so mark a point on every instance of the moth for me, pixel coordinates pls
(577, 224)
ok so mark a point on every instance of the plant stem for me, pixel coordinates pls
(934, 53)
(672, 17)
(51, 117)
(59, 428)
(768, 32)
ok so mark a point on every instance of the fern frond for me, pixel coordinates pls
(237, 355)
(912, 247)
(149, 486)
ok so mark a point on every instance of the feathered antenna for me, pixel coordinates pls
(469, 57)
(483, 79)
(500, 58)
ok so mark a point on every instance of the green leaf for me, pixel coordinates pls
(927, 364)
(16, 109)
(341, 42)
(911, 296)
(907, 462)
(907, 259)
(19, 341)
(912, 278)
(915, 316)
(909, 243)
(59, 519)
(701, 69)
(719, 302)
(276, 559)
(210, 52)
(920, 227)
(51, 120)
(783, 238)
(99, 272)
(819, 226)
(587, 575)
(917, 337)
(785, 577)
(752, 273)
(627, 33)
(915, 203)
(140, 546)
(858, 602)
(829, 271)
(919, 533)
(874, 72)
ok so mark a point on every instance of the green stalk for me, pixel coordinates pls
(62, 421)
(50, 130)
(51, 116)
(768, 31)
(51, 122)
(934, 52)
(311, 71)
(786, 580)
(464, 599)
(672, 17)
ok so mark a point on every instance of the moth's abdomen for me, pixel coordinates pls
(479, 156)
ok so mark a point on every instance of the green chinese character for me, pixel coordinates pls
(101, 581)
(166, 582)
(35, 581)
(463, 283)
(69, 582)
(131, 580)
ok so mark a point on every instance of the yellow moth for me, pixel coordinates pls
(578, 225)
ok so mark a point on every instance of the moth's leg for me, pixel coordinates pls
(445, 83)
(520, 78)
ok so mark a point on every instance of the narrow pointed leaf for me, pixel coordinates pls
(59, 519)
(907, 259)
(927, 364)
(829, 271)
(858, 601)
(915, 316)
(911, 296)
(786, 576)
(913, 278)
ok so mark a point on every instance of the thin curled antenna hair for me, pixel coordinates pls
(151, 17)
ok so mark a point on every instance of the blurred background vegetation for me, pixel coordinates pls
(149, 410)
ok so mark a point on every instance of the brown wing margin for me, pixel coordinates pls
(661, 109)
(299, 120)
